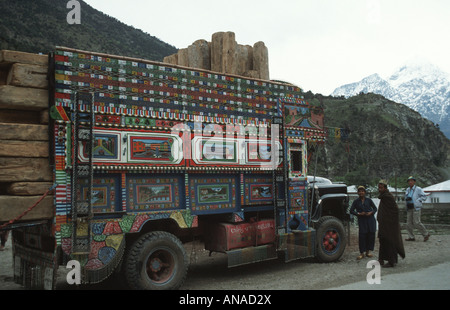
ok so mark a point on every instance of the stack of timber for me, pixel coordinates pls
(25, 171)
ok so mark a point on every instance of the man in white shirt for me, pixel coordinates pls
(414, 197)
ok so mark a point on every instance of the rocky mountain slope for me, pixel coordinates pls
(420, 85)
(386, 140)
(37, 26)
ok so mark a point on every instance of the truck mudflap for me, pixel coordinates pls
(97, 269)
(297, 244)
(106, 251)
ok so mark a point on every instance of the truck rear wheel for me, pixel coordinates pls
(156, 261)
(331, 240)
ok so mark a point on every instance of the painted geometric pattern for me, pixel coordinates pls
(147, 89)
(108, 235)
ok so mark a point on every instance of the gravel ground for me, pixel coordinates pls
(211, 273)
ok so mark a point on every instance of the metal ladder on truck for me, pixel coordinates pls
(279, 177)
(82, 173)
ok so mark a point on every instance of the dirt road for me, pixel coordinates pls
(211, 272)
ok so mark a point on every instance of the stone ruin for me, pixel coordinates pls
(223, 54)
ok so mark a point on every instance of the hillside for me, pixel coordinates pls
(420, 85)
(386, 140)
(37, 26)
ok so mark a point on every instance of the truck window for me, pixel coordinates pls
(296, 160)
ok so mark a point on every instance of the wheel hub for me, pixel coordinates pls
(330, 240)
(160, 266)
(155, 264)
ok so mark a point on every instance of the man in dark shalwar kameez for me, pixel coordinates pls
(389, 234)
(364, 209)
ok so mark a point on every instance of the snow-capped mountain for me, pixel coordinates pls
(421, 86)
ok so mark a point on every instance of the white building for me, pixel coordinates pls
(438, 194)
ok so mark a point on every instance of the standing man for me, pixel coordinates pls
(389, 233)
(414, 198)
(364, 209)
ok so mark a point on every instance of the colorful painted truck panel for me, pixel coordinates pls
(161, 152)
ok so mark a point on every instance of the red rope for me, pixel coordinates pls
(30, 208)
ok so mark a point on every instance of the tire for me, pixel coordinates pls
(156, 261)
(331, 239)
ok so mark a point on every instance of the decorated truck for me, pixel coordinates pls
(147, 156)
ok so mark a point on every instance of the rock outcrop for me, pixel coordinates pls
(223, 54)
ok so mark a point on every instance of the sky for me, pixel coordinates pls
(317, 45)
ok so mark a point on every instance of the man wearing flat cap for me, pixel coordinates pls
(389, 233)
(414, 198)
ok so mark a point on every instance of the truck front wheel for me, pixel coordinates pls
(156, 261)
(331, 240)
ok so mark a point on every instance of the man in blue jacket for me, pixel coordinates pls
(414, 198)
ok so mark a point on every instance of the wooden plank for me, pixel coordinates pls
(28, 188)
(26, 132)
(13, 206)
(25, 169)
(13, 97)
(7, 56)
(20, 116)
(16, 148)
(25, 75)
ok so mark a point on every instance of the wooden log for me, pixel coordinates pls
(13, 206)
(13, 97)
(16, 148)
(217, 51)
(25, 169)
(20, 116)
(261, 60)
(25, 75)
(28, 188)
(7, 56)
(171, 59)
(26, 132)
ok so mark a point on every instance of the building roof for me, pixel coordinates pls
(440, 187)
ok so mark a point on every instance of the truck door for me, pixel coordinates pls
(297, 185)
